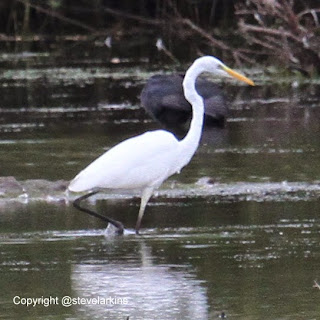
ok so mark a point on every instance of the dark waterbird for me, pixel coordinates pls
(164, 100)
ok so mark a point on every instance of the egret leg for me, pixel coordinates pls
(115, 223)
(146, 195)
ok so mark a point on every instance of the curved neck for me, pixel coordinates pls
(191, 141)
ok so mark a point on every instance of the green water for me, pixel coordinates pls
(250, 260)
(202, 253)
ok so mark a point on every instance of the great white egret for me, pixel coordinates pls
(163, 99)
(145, 161)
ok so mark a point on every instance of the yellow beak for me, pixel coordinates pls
(238, 76)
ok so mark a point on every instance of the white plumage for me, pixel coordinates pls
(125, 167)
(144, 162)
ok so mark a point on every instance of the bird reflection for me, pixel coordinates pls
(153, 291)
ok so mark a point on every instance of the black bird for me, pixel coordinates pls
(163, 99)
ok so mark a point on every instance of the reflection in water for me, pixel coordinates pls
(250, 259)
(151, 291)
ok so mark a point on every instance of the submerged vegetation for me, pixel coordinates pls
(245, 31)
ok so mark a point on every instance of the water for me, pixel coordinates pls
(250, 260)
(236, 233)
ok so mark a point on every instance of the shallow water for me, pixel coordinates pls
(250, 260)
(236, 233)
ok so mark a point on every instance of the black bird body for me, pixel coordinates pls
(163, 99)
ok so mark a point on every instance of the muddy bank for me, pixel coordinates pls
(52, 191)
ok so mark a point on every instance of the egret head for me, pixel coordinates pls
(217, 67)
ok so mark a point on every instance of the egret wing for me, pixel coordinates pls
(145, 160)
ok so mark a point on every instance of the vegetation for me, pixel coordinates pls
(247, 31)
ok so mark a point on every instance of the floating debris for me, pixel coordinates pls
(316, 285)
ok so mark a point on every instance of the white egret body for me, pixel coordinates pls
(145, 161)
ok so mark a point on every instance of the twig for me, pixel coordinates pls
(132, 16)
(271, 31)
(58, 16)
(313, 13)
(236, 54)
(205, 35)
(35, 38)
(161, 47)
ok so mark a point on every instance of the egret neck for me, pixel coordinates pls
(190, 142)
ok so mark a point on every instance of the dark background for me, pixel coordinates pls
(283, 32)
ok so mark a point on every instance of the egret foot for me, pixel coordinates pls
(115, 230)
(117, 225)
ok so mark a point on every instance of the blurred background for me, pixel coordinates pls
(244, 31)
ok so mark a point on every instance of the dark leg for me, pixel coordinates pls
(76, 204)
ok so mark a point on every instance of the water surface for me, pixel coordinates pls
(236, 233)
